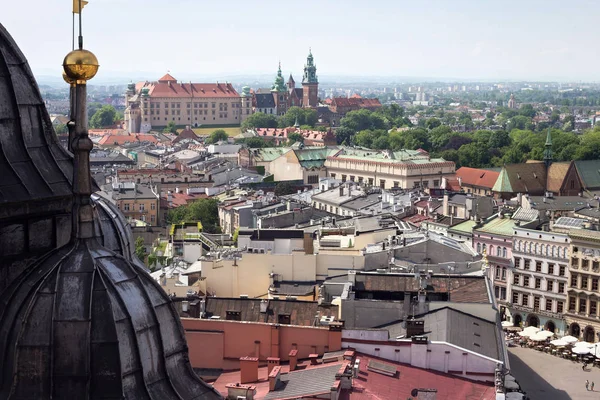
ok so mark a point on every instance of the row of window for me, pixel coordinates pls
(499, 251)
(537, 283)
(540, 249)
(195, 118)
(584, 263)
(548, 303)
(537, 266)
(142, 207)
(584, 283)
(583, 306)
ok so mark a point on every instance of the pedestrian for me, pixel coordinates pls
(592, 386)
(583, 366)
(587, 385)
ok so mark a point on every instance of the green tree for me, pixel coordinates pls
(283, 188)
(295, 137)
(304, 116)
(236, 234)
(140, 250)
(104, 117)
(260, 120)
(60, 129)
(170, 128)
(253, 142)
(217, 136)
(344, 135)
(204, 210)
(432, 123)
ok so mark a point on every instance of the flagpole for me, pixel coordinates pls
(80, 34)
(73, 32)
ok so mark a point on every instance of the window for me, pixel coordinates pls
(582, 306)
(593, 307)
(382, 183)
(515, 298)
(572, 304)
(360, 179)
(498, 251)
(371, 181)
(283, 318)
(538, 283)
(152, 218)
(550, 286)
(584, 282)
(561, 270)
(504, 252)
(152, 206)
(595, 284)
(515, 279)
(503, 274)
(595, 266)
(526, 262)
(585, 264)
(560, 307)
(526, 281)
(551, 269)
(479, 247)
(396, 184)
(517, 262)
(352, 177)
(561, 287)
(436, 183)
(344, 178)
(575, 262)
(538, 266)
(525, 300)
(126, 206)
(573, 280)
(142, 206)
(498, 272)
(548, 305)
(312, 179)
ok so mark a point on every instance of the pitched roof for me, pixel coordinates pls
(589, 172)
(522, 178)
(185, 134)
(300, 312)
(477, 177)
(167, 78)
(110, 140)
(264, 100)
(169, 88)
(556, 175)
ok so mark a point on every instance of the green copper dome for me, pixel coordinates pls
(279, 85)
(310, 70)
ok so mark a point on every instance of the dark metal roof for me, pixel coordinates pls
(85, 323)
(305, 383)
(33, 165)
(264, 100)
(462, 289)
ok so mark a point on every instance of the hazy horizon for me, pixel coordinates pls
(544, 41)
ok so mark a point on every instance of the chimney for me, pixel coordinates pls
(248, 369)
(274, 376)
(293, 359)
(314, 358)
(264, 304)
(273, 362)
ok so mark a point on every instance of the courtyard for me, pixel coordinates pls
(544, 376)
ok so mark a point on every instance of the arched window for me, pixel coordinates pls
(498, 251)
(529, 247)
(554, 251)
(479, 247)
(491, 251)
(542, 249)
(535, 249)
(504, 252)
(484, 248)
(564, 255)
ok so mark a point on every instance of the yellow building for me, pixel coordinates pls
(139, 202)
(152, 105)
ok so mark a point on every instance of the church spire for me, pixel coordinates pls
(279, 85)
(310, 69)
(548, 150)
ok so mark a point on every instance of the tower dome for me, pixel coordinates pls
(80, 317)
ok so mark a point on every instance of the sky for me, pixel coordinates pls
(446, 39)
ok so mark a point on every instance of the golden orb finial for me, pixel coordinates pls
(80, 65)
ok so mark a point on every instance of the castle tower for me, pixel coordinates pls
(280, 93)
(512, 103)
(310, 83)
(246, 103)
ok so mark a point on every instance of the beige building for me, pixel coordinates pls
(152, 105)
(405, 169)
(583, 315)
(139, 202)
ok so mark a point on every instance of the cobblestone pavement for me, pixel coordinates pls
(544, 376)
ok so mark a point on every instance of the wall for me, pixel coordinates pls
(286, 168)
(371, 313)
(438, 356)
(220, 344)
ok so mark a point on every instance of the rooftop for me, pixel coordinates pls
(477, 177)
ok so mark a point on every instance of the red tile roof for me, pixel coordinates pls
(169, 88)
(374, 386)
(110, 140)
(477, 177)
(452, 185)
(356, 102)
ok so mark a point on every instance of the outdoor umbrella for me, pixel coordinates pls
(583, 345)
(509, 377)
(532, 329)
(537, 337)
(506, 324)
(525, 334)
(596, 351)
(570, 339)
(580, 350)
(514, 396)
(511, 385)
(546, 334)
(558, 343)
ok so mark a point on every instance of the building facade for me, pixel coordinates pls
(539, 279)
(582, 314)
(151, 105)
(140, 202)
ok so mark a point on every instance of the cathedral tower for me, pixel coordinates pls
(310, 83)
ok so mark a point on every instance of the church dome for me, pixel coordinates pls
(80, 318)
